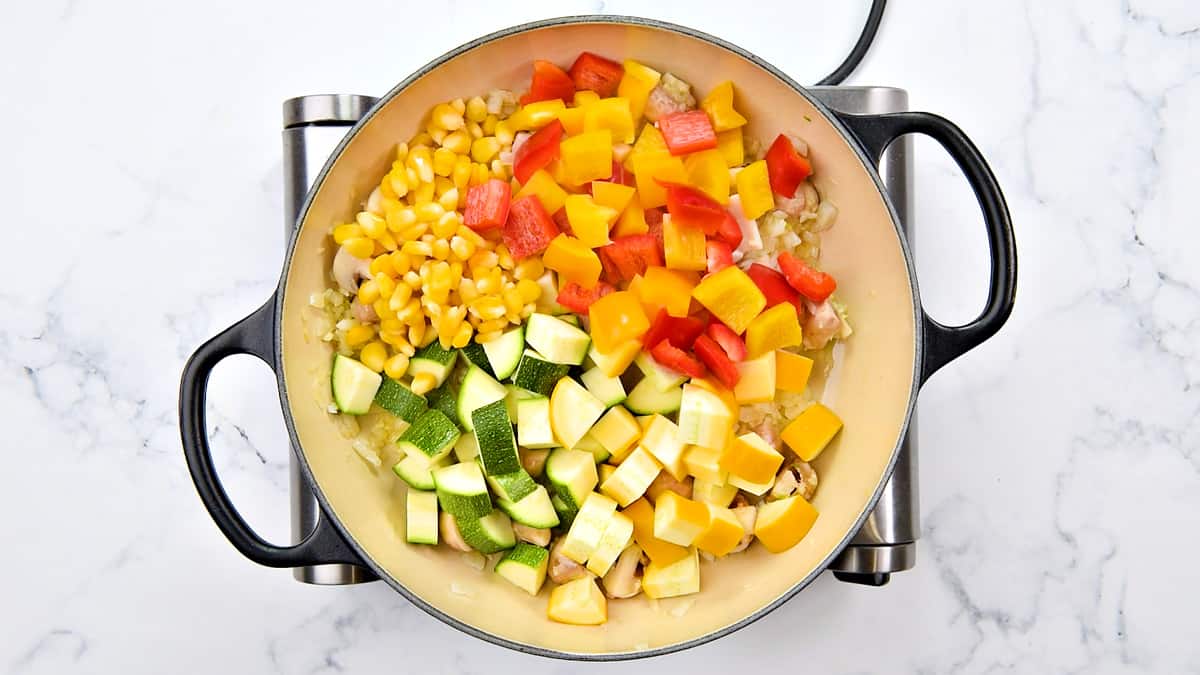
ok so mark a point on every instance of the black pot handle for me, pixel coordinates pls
(252, 335)
(944, 343)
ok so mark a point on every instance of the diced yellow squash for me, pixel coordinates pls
(573, 261)
(617, 431)
(663, 440)
(717, 494)
(613, 195)
(757, 383)
(792, 371)
(615, 319)
(586, 157)
(535, 115)
(635, 473)
(679, 520)
(757, 489)
(661, 288)
(573, 411)
(604, 471)
(678, 578)
(782, 524)
(683, 247)
(613, 114)
(731, 296)
(704, 419)
(590, 222)
(632, 220)
(724, 393)
(649, 169)
(729, 144)
(705, 463)
(751, 459)
(614, 363)
(723, 533)
(579, 602)
(644, 421)
(636, 84)
(754, 186)
(548, 192)
(811, 431)
(707, 172)
(616, 537)
(572, 121)
(719, 106)
(588, 527)
(775, 328)
(660, 552)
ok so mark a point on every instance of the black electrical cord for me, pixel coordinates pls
(856, 55)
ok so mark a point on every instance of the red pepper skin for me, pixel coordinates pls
(679, 331)
(578, 299)
(775, 287)
(537, 151)
(654, 216)
(809, 281)
(729, 231)
(688, 131)
(693, 208)
(529, 229)
(712, 356)
(786, 168)
(549, 82)
(678, 360)
(596, 73)
(487, 205)
(720, 255)
(730, 341)
(629, 256)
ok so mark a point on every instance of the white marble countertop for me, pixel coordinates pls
(1060, 462)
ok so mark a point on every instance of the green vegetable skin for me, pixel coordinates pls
(525, 566)
(497, 446)
(538, 375)
(431, 436)
(434, 360)
(475, 354)
(399, 400)
(353, 385)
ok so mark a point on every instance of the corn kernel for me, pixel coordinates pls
(416, 333)
(359, 247)
(441, 249)
(462, 336)
(457, 143)
(348, 231)
(398, 182)
(396, 366)
(429, 211)
(479, 174)
(368, 292)
(400, 217)
(424, 194)
(385, 284)
(459, 105)
(445, 116)
(423, 383)
(475, 130)
(528, 290)
(467, 291)
(420, 139)
(471, 236)
(441, 185)
(443, 161)
(436, 133)
(413, 308)
(486, 337)
(414, 233)
(371, 224)
(529, 268)
(462, 173)
(400, 263)
(513, 302)
(449, 199)
(421, 160)
(461, 248)
(387, 241)
(383, 265)
(359, 334)
(374, 355)
(493, 325)
(377, 250)
(504, 258)
(417, 248)
(499, 169)
(484, 149)
(504, 133)
(400, 297)
(476, 109)
(488, 307)
(413, 280)
(382, 310)
(446, 225)
(486, 260)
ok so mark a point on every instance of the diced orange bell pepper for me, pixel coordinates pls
(547, 191)
(650, 143)
(754, 187)
(615, 319)
(573, 261)
(731, 296)
(572, 121)
(632, 220)
(589, 221)
(613, 195)
(666, 289)
(636, 85)
(535, 115)
(811, 431)
(775, 328)
(707, 171)
(792, 371)
(729, 144)
(650, 170)
(586, 157)
(719, 106)
(684, 247)
(613, 114)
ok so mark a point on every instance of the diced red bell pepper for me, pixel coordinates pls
(676, 359)
(654, 216)
(487, 205)
(549, 82)
(537, 151)
(811, 282)
(679, 331)
(688, 131)
(774, 286)
(720, 255)
(578, 299)
(620, 175)
(730, 341)
(597, 73)
(631, 255)
(729, 231)
(529, 229)
(560, 219)
(786, 168)
(692, 208)
(713, 356)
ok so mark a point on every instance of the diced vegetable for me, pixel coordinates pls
(575, 298)
(792, 371)
(534, 510)
(533, 424)
(490, 534)
(533, 155)
(676, 359)
(811, 431)
(573, 410)
(573, 261)
(709, 492)
(717, 361)
(731, 147)
(587, 157)
(614, 195)
(418, 472)
(525, 567)
(615, 319)
(497, 446)
(556, 340)
(596, 73)
(461, 490)
(535, 115)
(467, 448)
(645, 398)
(487, 204)
(354, 385)
(572, 475)
(399, 400)
(754, 188)
(775, 328)
(588, 527)
(689, 131)
(434, 360)
(718, 254)
(589, 444)
(617, 432)
(732, 298)
(723, 532)
(665, 440)
(477, 356)
(704, 463)
(538, 375)
(756, 489)
(787, 167)
(807, 280)
(666, 289)
(430, 437)
(529, 229)
(680, 578)
(578, 602)
(679, 520)
(729, 231)
(614, 363)
(632, 476)
(549, 82)
(608, 390)
(692, 208)
(679, 331)
(704, 419)
(512, 487)
(734, 348)
(719, 106)
(421, 518)
(774, 287)
(684, 247)
(590, 221)
(613, 114)
(707, 171)
(661, 553)
(636, 84)
(649, 170)
(650, 143)
(659, 376)
(750, 458)
(632, 255)
(616, 537)
(504, 352)
(756, 380)
(542, 186)
(781, 524)
(477, 390)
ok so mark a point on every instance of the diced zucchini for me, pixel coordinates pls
(505, 352)
(512, 487)
(477, 390)
(461, 490)
(354, 385)
(399, 400)
(547, 302)
(525, 566)
(570, 318)
(533, 423)
(445, 399)
(430, 437)
(589, 444)
(556, 340)
(434, 360)
(417, 472)
(421, 517)
(668, 581)
(584, 534)
(573, 410)
(514, 395)
(663, 440)
(572, 475)
(490, 534)
(467, 448)
(662, 377)
(616, 363)
(565, 513)
(538, 375)
(476, 356)
(717, 494)
(497, 446)
(535, 510)
(646, 399)
(609, 390)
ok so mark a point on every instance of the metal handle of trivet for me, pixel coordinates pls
(312, 128)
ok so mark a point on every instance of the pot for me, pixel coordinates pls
(895, 349)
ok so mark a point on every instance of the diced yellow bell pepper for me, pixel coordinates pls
(614, 363)
(586, 157)
(669, 581)
(662, 288)
(578, 602)
(719, 106)
(535, 115)
(572, 121)
(632, 220)
(754, 188)
(636, 85)
(584, 97)
(750, 458)
(650, 143)
(617, 431)
(704, 463)
(548, 192)
(613, 195)
(648, 170)
(792, 371)
(707, 172)
(573, 260)
(679, 520)
(775, 328)
(684, 247)
(615, 318)
(731, 296)
(729, 144)
(723, 533)
(660, 552)
(590, 221)
(613, 114)
(756, 380)
(811, 431)
(781, 524)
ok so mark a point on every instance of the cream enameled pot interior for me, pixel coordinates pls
(870, 389)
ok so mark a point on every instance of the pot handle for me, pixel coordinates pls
(252, 335)
(944, 343)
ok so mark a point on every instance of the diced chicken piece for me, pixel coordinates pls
(751, 237)
(563, 569)
(821, 324)
(501, 102)
(665, 481)
(450, 534)
(746, 515)
(364, 313)
(797, 478)
(538, 536)
(672, 95)
(622, 580)
(768, 429)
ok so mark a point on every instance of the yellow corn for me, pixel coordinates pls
(476, 109)
(461, 248)
(414, 232)
(429, 211)
(400, 263)
(475, 130)
(417, 248)
(449, 199)
(467, 291)
(382, 310)
(423, 194)
(436, 133)
(394, 340)
(529, 290)
(513, 302)
(479, 174)
(374, 355)
(420, 139)
(371, 224)
(401, 151)
(400, 217)
(473, 237)
(359, 334)
(413, 280)
(368, 292)
(504, 133)
(398, 182)
(441, 249)
(387, 241)
(421, 160)
(445, 116)
(400, 297)
(462, 173)
(484, 260)
(488, 307)
(385, 284)
(396, 366)
(484, 149)
(383, 265)
(416, 332)
(459, 105)
(423, 383)
(493, 325)
(489, 125)
(359, 247)
(486, 337)
(499, 169)
(443, 161)
(348, 231)
(529, 268)
(446, 225)
(377, 249)
(504, 258)
(412, 309)
(457, 143)
(462, 336)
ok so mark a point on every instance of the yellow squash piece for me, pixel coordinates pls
(650, 143)
(723, 533)
(679, 520)
(717, 494)
(586, 157)
(535, 115)
(590, 221)
(751, 459)
(548, 192)
(729, 144)
(613, 195)
(775, 328)
(704, 417)
(616, 537)
(668, 581)
(663, 440)
(792, 371)
(705, 463)
(588, 528)
(632, 220)
(649, 170)
(756, 379)
(615, 319)
(757, 489)
(719, 106)
(635, 473)
(661, 553)
(636, 85)
(617, 431)
(726, 395)
(683, 247)
(731, 296)
(579, 602)
(661, 288)
(706, 171)
(782, 524)
(754, 187)
(613, 114)
(811, 431)
(573, 261)
(604, 471)
(613, 363)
